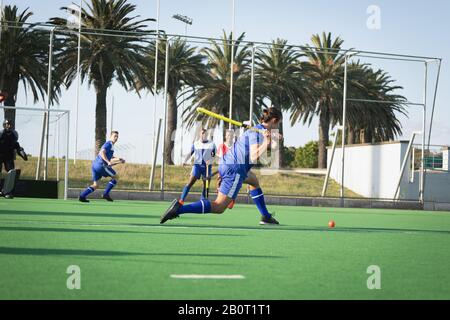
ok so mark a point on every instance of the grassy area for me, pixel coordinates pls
(124, 253)
(136, 177)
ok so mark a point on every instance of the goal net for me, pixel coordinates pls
(44, 136)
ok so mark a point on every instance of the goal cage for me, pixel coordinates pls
(44, 136)
(142, 119)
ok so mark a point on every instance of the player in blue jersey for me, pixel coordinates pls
(235, 169)
(203, 152)
(102, 167)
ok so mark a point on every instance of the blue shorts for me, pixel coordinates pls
(231, 181)
(199, 171)
(102, 171)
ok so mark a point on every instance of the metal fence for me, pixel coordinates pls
(135, 114)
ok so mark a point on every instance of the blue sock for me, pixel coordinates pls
(204, 192)
(201, 206)
(87, 192)
(110, 185)
(258, 198)
(185, 192)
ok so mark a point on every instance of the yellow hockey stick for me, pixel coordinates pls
(220, 117)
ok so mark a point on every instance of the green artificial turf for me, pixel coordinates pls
(124, 253)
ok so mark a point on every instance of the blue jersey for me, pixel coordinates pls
(203, 151)
(238, 156)
(109, 151)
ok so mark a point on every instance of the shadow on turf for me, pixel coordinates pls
(73, 214)
(81, 214)
(39, 229)
(63, 230)
(81, 252)
(280, 227)
(303, 228)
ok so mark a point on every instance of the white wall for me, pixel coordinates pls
(437, 187)
(371, 170)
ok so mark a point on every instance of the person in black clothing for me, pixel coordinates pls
(9, 145)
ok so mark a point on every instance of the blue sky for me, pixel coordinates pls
(406, 27)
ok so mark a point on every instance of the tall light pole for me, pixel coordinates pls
(1, 20)
(422, 162)
(166, 81)
(45, 125)
(78, 83)
(186, 20)
(156, 67)
(112, 115)
(348, 55)
(155, 95)
(231, 67)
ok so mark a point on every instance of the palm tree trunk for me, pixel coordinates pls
(362, 136)
(351, 136)
(11, 89)
(281, 145)
(172, 114)
(368, 136)
(277, 104)
(324, 126)
(10, 114)
(224, 132)
(100, 117)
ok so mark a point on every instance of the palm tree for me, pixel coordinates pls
(215, 93)
(23, 58)
(281, 79)
(374, 121)
(377, 120)
(325, 75)
(105, 57)
(187, 71)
